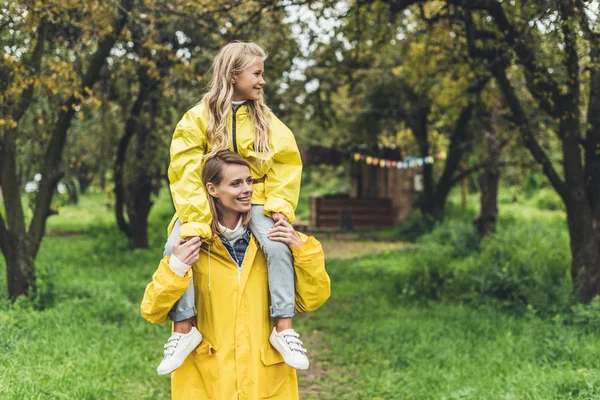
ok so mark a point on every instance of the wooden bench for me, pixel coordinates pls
(343, 212)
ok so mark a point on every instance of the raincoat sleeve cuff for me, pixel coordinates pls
(195, 229)
(163, 292)
(178, 266)
(279, 205)
(313, 286)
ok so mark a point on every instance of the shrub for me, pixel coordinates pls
(523, 267)
(414, 227)
(547, 199)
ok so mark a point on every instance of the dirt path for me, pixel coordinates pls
(341, 249)
(311, 382)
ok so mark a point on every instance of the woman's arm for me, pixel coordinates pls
(170, 281)
(312, 282)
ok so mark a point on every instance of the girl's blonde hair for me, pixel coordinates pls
(213, 172)
(231, 61)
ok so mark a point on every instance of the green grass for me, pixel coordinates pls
(82, 337)
(389, 349)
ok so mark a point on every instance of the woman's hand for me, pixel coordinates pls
(284, 232)
(187, 250)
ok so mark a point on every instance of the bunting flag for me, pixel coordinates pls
(410, 162)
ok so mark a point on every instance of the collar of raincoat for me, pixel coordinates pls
(216, 239)
(242, 111)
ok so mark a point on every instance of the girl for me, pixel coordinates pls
(233, 116)
(235, 359)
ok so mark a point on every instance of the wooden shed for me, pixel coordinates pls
(380, 197)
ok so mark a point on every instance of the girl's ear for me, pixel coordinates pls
(211, 189)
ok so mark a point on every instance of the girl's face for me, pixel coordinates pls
(234, 192)
(249, 84)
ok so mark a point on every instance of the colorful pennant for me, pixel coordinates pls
(410, 162)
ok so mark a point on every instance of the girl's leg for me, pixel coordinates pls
(280, 264)
(185, 308)
(185, 337)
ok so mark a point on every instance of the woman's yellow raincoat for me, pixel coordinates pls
(235, 359)
(278, 180)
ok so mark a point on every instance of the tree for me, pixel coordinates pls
(556, 50)
(27, 72)
(396, 73)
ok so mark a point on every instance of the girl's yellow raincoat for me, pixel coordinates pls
(235, 359)
(277, 181)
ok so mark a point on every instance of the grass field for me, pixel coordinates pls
(82, 337)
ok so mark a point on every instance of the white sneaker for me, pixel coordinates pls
(178, 347)
(287, 343)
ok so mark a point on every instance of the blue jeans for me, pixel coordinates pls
(280, 266)
(185, 307)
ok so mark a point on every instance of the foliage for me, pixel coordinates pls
(524, 267)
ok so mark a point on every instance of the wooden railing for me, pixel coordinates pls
(342, 212)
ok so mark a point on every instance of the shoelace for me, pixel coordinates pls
(171, 345)
(295, 344)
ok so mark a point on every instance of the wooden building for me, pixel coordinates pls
(380, 197)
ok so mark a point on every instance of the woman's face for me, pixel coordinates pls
(234, 192)
(249, 84)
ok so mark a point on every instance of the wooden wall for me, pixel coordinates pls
(395, 184)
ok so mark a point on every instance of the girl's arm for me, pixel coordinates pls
(185, 175)
(282, 182)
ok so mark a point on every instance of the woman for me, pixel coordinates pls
(235, 359)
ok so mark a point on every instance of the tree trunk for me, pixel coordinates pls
(20, 267)
(72, 190)
(138, 208)
(489, 180)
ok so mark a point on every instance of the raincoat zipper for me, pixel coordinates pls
(233, 121)
(239, 268)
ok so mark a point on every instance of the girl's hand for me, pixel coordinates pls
(277, 216)
(187, 250)
(284, 232)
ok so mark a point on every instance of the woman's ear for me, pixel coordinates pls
(211, 189)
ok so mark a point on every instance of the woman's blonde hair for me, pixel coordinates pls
(213, 172)
(231, 61)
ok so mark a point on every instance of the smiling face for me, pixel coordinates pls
(234, 191)
(249, 84)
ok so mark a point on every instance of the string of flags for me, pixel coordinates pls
(410, 162)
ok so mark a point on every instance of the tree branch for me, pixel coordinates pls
(527, 131)
(539, 81)
(33, 67)
(59, 133)
(466, 173)
(459, 136)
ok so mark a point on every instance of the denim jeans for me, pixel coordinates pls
(280, 265)
(185, 307)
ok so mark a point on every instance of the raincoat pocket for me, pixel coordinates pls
(274, 374)
(205, 349)
(208, 372)
(270, 356)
